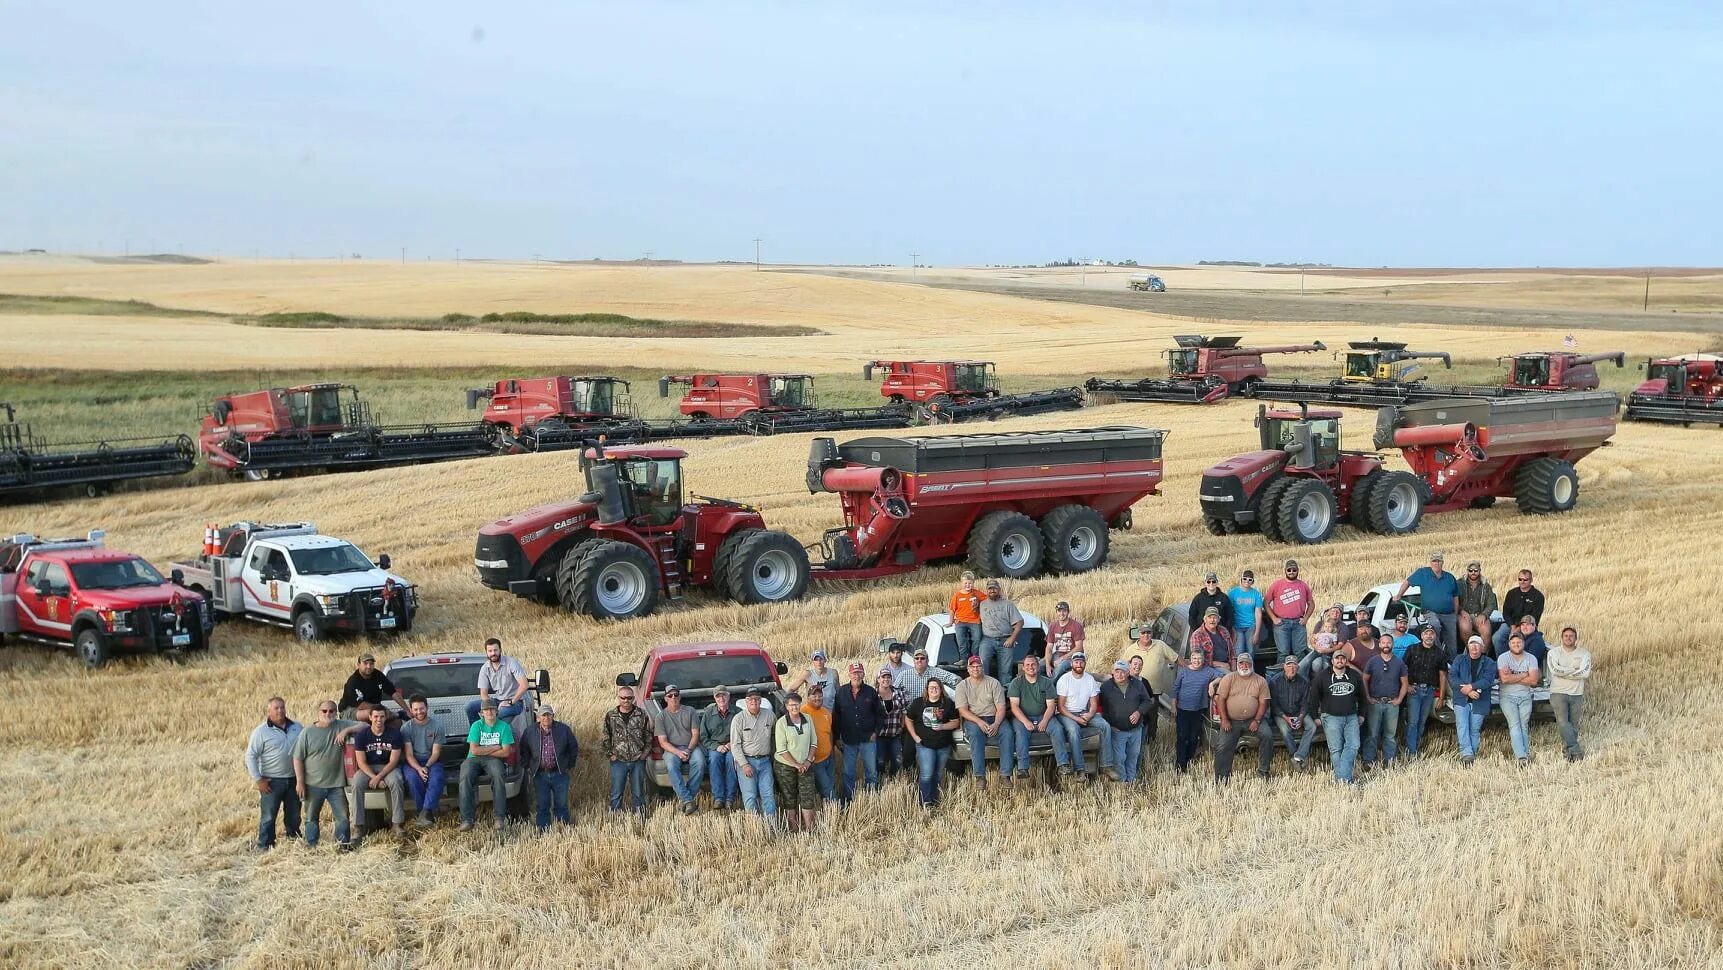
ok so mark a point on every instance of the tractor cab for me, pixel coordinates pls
(1311, 439)
(631, 483)
(973, 377)
(792, 392)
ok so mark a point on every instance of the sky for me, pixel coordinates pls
(1365, 134)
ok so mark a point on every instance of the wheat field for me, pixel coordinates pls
(125, 813)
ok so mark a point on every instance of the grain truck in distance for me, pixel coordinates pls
(556, 413)
(287, 430)
(1684, 390)
(1147, 284)
(772, 404)
(1200, 370)
(943, 391)
(1465, 452)
(1014, 504)
(30, 465)
(291, 576)
(96, 600)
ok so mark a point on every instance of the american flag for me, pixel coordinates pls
(1570, 341)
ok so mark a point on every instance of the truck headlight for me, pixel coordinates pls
(117, 620)
(330, 604)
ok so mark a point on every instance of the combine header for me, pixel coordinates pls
(946, 391)
(28, 464)
(1376, 373)
(1199, 371)
(555, 413)
(1684, 390)
(765, 404)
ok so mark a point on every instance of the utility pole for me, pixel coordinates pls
(914, 262)
(756, 255)
(457, 255)
(403, 255)
(1646, 306)
(1300, 281)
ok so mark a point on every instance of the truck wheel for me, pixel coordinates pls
(613, 581)
(1005, 543)
(1546, 486)
(1074, 539)
(92, 649)
(1308, 512)
(1397, 503)
(1268, 508)
(1359, 512)
(767, 567)
(305, 626)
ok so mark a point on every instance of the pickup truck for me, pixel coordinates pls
(449, 681)
(99, 601)
(698, 669)
(290, 576)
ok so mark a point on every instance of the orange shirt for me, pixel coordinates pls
(966, 606)
(822, 721)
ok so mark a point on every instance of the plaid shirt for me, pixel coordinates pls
(896, 702)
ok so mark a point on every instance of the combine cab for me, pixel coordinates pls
(1200, 370)
(554, 413)
(771, 404)
(1683, 390)
(298, 429)
(29, 465)
(946, 391)
(1462, 452)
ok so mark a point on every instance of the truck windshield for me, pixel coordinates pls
(1181, 362)
(1361, 365)
(115, 575)
(709, 673)
(437, 680)
(329, 560)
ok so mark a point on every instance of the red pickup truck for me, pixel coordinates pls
(699, 669)
(77, 592)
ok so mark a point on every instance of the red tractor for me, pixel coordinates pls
(1462, 452)
(1682, 390)
(1200, 370)
(550, 413)
(956, 390)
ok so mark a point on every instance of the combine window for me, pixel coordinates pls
(1182, 361)
(970, 377)
(319, 407)
(594, 397)
(792, 392)
(1531, 371)
(1675, 374)
(1361, 365)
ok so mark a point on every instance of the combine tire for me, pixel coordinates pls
(1546, 486)
(608, 580)
(1075, 539)
(1308, 512)
(92, 649)
(767, 566)
(1268, 508)
(1005, 544)
(1359, 512)
(1215, 527)
(1397, 504)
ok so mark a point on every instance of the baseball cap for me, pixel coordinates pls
(896, 646)
(921, 653)
(1062, 605)
(1246, 658)
(1528, 618)
(1079, 655)
(1436, 556)
(672, 689)
(546, 709)
(489, 704)
(1474, 639)
(367, 655)
(1210, 577)
(974, 661)
(722, 691)
(1212, 611)
(1121, 665)
(1290, 660)
(755, 692)
(1292, 564)
(856, 668)
(1247, 574)
(993, 584)
(819, 655)
(1474, 564)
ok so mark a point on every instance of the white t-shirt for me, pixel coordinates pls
(1078, 690)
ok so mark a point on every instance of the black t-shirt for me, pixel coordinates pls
(1338, 694)
(1425, 665)
(377, 747)
(925, 715)
(374, 689)
(1202, 601)
(1517, 604)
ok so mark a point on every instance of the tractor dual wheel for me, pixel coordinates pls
(1308, 512)
(1397, 503)
(1268, 507)
(1546, 486)
(1215, 527)
(1358, 513)
(765, 566)
(1074, 539)
(1005, 543)
(608, 580)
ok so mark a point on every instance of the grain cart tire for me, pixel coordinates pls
(1546, 486)
(1308, 512)
(1005, 543)
(1074, 539)
(1397, 504)
(721, 560)
(91, 647)
(768, 567)
(1268, 508)
(613, 581)
(1359, 513)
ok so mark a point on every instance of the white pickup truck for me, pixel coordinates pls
(291, 576)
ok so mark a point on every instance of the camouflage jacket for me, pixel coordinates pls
(627, 737)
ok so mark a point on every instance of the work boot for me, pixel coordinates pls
(424, 820)
(465, 826)
(397, 828)
(1111, 773)
(1023, 774)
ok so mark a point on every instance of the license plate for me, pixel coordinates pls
(386, 622)
(182, 639)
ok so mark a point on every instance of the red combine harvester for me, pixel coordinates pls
(294, 429)
(1463, 452)
(944, 391)
(772, 404)
(30, 465)
(1682, 390)
(1200, 370)
(554, 413)
(1556, 370)
(1015, 504)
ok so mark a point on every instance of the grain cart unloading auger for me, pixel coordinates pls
(28, 464)
(1199, 371)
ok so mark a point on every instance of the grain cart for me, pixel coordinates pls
(1375, 373)
(1199, 371)
(1462, 452)
(30, 465)
(555, 413)
(1147, 284)
(943, 391)
(1015, 504)
(286, 430)
(1684, 390)
(773, 404)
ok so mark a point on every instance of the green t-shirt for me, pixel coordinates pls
(482, 735)
(322, 754)
(1031, 697)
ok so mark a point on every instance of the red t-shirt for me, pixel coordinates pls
(1062, 638)
(1288, 598)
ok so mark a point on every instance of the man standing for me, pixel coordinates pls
(1523, 600)
(859, 718)
(965, 610)
(1064, 638)
(793, 764)
(424, 757)
(1386, 685)
(1472, 676)
(1210, 597)
(714, 725)
(1248, 618)
(1518, 672)
(378, 749)
(1160, 663)
(1569, 668)
(1290, 604)
(818, 677)
(825, 767)
(1125, 706)
(1288, 699)
(895, 666)
(489, 740)
(1080, 717)
(679, 737)
(1427, 673)
(1477, 603)
(889, 751)
(1244, 700)
(1000, 625)
(751, 747)
(933, 722)
(981, 707)
(501, 679)
(1032, 713)
(269, 760)
(627, 740)
(1337, 696)
(1439, 595)
(1193, 690)
(548, 752)
(319, 771)
(367, 683)
(1213, 641)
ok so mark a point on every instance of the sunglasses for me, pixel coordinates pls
(326, 710)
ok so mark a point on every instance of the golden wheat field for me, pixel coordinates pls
(126, 816)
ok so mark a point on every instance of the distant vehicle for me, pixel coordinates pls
(698, 670)
(1148, 284)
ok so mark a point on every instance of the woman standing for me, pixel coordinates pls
(932, 722)
(793, 763)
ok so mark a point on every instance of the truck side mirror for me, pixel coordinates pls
(541, 680)
(626, 680)
(781, 667)
(177, 577)
(383, 561)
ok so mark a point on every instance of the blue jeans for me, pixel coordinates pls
(1301, 750)
(1290, 639)
(1518, 711)
(550, 793)
(1020, 738)
(1127, 749)
(629, 775)
(890, 754)
(1419, 703)
(1503, 630)
(282, 798)
(1447, 630)
(758, 795)
(1341, 733)
(337, 799)
(685, 775)
(861, 763)
(721, 769)
(425, 793)
(1244, 640)
(1382, 723)
(826, 777)
(968, 641)
(979, 742)
(1067, 731)
(1469, 725)
(470, 770)
(505, 712)
(995, 658)
(930, 770)
(1568, 708)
